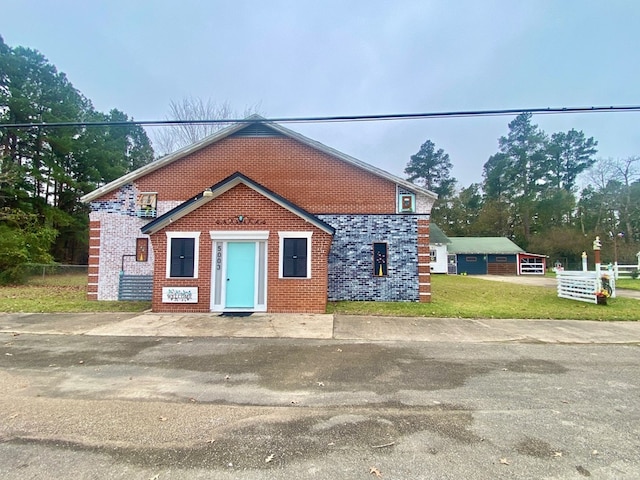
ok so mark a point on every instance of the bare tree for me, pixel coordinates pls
(601, 173)
(612, 181)
(627, 171)
(171, 138)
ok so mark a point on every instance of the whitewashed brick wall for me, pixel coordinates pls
(118, 235)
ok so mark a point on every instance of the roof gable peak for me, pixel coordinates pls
(261, 127)
(221, 187)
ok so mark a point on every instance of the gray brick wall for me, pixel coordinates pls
(124, 205)
(351, 257)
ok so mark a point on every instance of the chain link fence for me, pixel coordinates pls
(65, 274)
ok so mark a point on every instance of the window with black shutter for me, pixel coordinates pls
(294, 257)
(182, 257)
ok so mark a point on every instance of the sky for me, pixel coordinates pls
(301, 58)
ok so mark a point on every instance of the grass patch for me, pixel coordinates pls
(59, 293)
(468, 297)
(628, 283)
(453, 296)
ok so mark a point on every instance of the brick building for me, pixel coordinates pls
(257, 217)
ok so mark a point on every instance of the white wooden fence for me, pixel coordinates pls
(532, 266)
(620, 271)
(582, 286)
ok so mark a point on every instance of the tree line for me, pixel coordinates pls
(530, 191)
(44, 171)
(550, 194)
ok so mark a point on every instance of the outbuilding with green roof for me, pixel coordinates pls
(492, 256)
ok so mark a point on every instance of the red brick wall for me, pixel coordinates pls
(307, 177)
(424, 270)
(94, 260)
(283, 295)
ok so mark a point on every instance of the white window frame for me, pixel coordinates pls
(196, 251)
(282, 236)
(218, 287)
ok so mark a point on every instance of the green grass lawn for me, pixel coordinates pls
(468, 297)
(59, 293)
(452, 296)
(628, 283)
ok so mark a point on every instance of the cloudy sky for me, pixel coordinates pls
(301, 58)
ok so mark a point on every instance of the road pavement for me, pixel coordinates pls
(88, 406)
(198, 396)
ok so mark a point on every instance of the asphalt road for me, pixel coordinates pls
(93, 407)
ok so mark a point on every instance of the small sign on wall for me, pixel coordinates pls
(179, 294)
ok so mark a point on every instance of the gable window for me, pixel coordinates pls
(295, 254)
(182, 254)
(380, 252)
(407, 203)
(146, 205)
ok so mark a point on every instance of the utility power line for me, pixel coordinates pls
(338, 118)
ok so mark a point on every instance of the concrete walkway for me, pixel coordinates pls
(460, 330)
(324, 327)
(264, 325)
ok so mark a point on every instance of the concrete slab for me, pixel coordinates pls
(58, 323)
(264, 325)
(324, 326)
(484, 330)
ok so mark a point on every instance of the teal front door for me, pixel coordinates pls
(241, 273)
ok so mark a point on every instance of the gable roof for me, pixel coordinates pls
(483, 245)
(437, 236)
(224, 186)
(250, 122)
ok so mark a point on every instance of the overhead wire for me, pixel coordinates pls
(337, 118)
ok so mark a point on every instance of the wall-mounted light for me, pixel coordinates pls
(241, 218)
(207, 193)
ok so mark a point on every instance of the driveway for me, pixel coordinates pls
(533, 280)
(544, 281)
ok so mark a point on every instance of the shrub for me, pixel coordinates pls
(22, 240)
